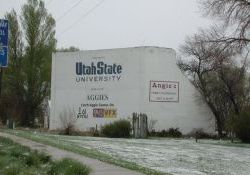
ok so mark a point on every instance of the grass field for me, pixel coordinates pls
(19, 160)
(165, 156)
(58, 141)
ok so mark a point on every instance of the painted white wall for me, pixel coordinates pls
(130, 94)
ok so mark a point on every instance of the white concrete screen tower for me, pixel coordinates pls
(92, 88)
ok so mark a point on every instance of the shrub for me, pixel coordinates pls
(242, 127)
(117, 129)
(32, 160)
(174, 132)
(199, 133)
(68, 167)
(19, 160)
(44, 158)
(13, 169)
(68, 120)
(171, 132)
(1, 124)
(37, 158)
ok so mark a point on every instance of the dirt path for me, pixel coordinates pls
(98, 167)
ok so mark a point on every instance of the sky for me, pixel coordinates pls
(104, 24)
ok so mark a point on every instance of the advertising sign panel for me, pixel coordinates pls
(94, 86)
(95, 76)
(164, 91)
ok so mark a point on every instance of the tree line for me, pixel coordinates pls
(25, 83)
(217, 62)
(26, 80)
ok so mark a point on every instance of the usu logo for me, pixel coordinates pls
(99, 68)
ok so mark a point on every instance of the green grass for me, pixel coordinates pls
(54, 140)
(68, 166)
(19, 160)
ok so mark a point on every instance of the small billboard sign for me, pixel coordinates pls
(164, 91)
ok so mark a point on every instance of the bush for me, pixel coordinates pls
(242, 127)
(19, 160)
(1, 124)
(199, 133)
(33, 160)
(68, 167)
(13, 169)
(117, 129)
(174, 132)
(68, 120)
(37, 158)
(171, 132)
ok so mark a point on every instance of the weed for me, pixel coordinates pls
(68, 167)
(19, 160)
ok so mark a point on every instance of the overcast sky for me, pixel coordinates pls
(102, 24)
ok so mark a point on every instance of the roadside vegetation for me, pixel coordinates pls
(143, 152)
(26, 80)
(68, 167)
(19, 160)
(117, 129)
(217, 62)
(171, 132)
(215, 59)
(58, 141)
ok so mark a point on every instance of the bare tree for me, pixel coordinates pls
(234, 16)
(220, 80)
(68, 120)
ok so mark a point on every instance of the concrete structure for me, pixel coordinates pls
(92, 88)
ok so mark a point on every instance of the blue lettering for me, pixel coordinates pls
(119, 69)
(98, 68)
(88, 70)
(93, 69)
(78, 68)
(109, 69)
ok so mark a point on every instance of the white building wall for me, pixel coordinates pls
(190, 111)
(128, 94)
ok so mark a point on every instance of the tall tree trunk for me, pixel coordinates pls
(219, 123)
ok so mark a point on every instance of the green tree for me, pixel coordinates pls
(39, 32)
(70, 49)
(27, 78)
(12, 96)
